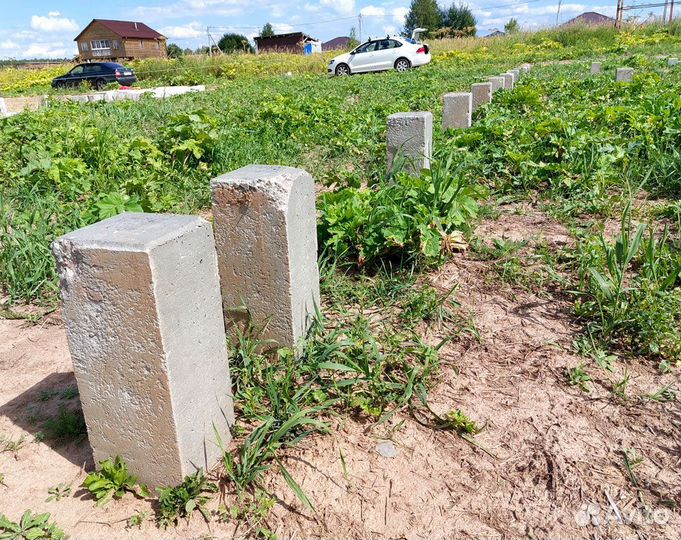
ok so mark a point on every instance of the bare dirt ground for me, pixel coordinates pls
(550, 460)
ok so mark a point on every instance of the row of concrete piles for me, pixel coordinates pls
(625, 74)
(146, 300)
(410, 134)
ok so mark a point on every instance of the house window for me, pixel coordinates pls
(83, 46)
(141, 44)
(158, 46)
(100, 47)
(100, 44)
(116, 44)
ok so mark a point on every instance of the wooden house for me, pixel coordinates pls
(119, 40)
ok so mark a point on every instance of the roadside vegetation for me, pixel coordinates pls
(603, 158)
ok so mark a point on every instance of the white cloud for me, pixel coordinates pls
(372, 11)
(342, 7)
(53, 23)
(282, 28)
(192, 8)
(53, 14)
(399, 14)
(8, 45)
(190, 30)
(47, 50)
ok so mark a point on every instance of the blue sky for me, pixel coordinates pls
(46, 28)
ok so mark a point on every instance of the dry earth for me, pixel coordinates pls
(550, 461)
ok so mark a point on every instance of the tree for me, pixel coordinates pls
(353, 42)
(234, 43)
(423, 14)
(267, 30)
(460, 20)
(512, 26)
(174, 50)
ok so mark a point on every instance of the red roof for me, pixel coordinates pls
(126, 29)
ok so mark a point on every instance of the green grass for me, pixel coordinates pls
(62, 167)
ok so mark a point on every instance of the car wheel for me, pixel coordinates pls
(99, 84)
(342, 70)
(402, 64)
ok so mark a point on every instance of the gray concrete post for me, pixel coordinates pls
(141, 301)
(624, 75)
(410, 138)
(266, 237)
(508, 81)
(672, 61)
(516, 74)
(482, 93)
(497, 83)
(457, 108)
(595, 67)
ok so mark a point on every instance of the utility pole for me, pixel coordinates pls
(620, 13)
(210, 47)
(558, 12)
(664, 13)
(671, 11)
(360, 26)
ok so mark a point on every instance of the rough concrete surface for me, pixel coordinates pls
(508, 81)
(410, 138)
(516, 74)
(482, 93)
(141, 302)
(266, 238)
(497, 83)
(595, 67)
(457, 108)
(624, 74)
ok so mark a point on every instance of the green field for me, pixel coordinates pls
(603, 158)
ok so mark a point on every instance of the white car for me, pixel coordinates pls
(390, 52)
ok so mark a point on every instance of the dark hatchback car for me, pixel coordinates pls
(97, 74)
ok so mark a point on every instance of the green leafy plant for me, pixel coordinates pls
(137, 519)
(459, 422)
(68, 425)
(182, 500)
(58, 492)
(251, 511)
(7, 444)
(405, 217)
(112, 481)
(578, 377)
(30, 527)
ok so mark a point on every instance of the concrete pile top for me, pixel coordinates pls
(132, 231)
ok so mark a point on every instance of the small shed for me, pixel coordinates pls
(294, 42)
